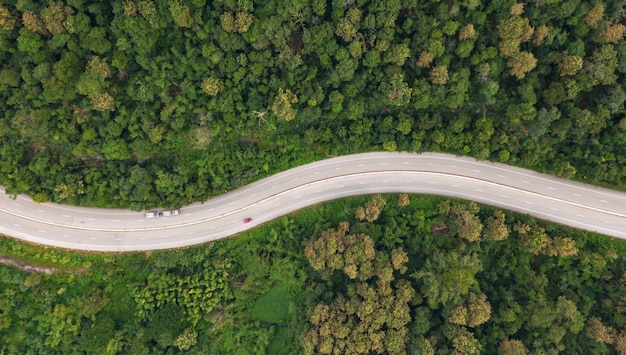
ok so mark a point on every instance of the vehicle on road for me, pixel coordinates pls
(167, 213)
(247, 220)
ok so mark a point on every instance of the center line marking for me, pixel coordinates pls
(577, 195)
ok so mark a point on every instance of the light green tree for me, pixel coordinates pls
(281, 107)
(447, 277)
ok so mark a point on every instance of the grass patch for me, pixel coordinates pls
(273, 306)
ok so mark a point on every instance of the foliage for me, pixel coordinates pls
(98, 91)
(422, 287)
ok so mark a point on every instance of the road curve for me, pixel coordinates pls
(113, 230)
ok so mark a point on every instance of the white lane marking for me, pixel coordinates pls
(17, 204)
(607, 222)
(554, 209)
(212, 228)
(577, 195)
(432, 182)
(551, 188)
(187, 214)
(93, 238)
(296, 178)
(479, 190)
(90, 219)
(42, 211)
(500, 176)
(340, 186)
(232, 203)
(116, 220)
(167, 236)
(505, 196)
(142, 238)
(315, 173)
(408, 181)
(406, 163)
(526, 181)
(118, 238)
(361, 165)
(452, 166)
(340, 168)
(139, 220)
(66, 216)
(383, 163)
(252, 195)
(363, 183)
(67, 235)
(189, 233)
(429, 163)
(210, 209)
(580, 215)
(476, 170)
(384, 181)
(15, 224)
(528, 202)
(455, 185)
(274, 186)
(604, 201)
(41, 231)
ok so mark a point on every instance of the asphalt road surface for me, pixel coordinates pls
(570, 203)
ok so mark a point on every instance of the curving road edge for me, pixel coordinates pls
(114, 230)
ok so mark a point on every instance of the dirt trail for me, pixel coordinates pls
(7, 260)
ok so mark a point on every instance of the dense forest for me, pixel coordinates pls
(382, 274)
(139, 103)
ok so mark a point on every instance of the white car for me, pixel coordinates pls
(170, 213)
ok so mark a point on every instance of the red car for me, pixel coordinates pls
(247, 220)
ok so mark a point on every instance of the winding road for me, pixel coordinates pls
(114, 230)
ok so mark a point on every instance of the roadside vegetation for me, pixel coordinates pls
(139, 103)
(143, 103)
(397, 274)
